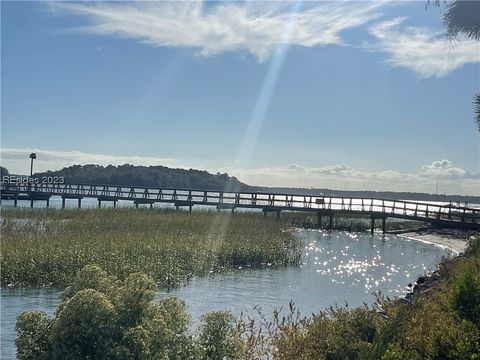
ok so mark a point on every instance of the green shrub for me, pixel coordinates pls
(466, 296)
(33, 336)
(337, 333)
(101, 317)
(220, 338)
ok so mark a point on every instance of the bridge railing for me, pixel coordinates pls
(273, 201)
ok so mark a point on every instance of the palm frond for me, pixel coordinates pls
(462, 17)
(476, 109)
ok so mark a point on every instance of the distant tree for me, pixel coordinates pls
(3, 172)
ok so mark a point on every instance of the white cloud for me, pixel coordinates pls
(424, 51)
(214, 28)
(453, 180)
(17, 160)
(445, 168)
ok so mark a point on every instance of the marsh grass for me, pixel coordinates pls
(47, 247)
(347, 222)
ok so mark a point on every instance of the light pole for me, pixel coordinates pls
(33, 156)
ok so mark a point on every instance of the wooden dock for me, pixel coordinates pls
(445, 215)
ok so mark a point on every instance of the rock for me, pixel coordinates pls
(421, 280)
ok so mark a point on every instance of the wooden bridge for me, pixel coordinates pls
(446, 215)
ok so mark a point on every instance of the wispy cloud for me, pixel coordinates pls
(216, 28)
(428, 53)
(17, 160)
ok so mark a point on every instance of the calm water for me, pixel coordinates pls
(339, 267)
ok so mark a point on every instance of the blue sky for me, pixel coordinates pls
(353, 95)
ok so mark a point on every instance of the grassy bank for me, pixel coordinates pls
(48, 247)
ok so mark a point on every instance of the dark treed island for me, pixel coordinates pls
(147, 176)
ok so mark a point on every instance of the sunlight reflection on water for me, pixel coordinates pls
(338, 267)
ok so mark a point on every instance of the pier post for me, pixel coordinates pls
(99, 203)
(319, 220)
(278, 214)
(233, 211)
(63, 202)
(384, 220)
(264, 213)
(330, 223)
(48, 202)
(114, 204)
(15, 200)
(177, 207)
(136, 205)
(31, 203)
(79, 203)
(190, 208)
(151, 206)
(372, 227)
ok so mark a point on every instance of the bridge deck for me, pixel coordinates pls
(443, 214)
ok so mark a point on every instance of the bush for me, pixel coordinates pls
(338, 333)
(33, 341)
(219, 337)
(466, 296)
(101, 317)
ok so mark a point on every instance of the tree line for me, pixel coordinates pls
(148, 176)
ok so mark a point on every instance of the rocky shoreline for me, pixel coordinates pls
(455, 240)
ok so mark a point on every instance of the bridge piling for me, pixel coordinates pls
(372, 227)
(319, 220)
(31, 203)
(99, 204)
(330, 223)
(384, 220)
(63, 202)
(48, 202)
(79, 203)
(15, 200)
(278, 215)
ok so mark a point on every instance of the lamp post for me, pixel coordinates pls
(33, 156)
